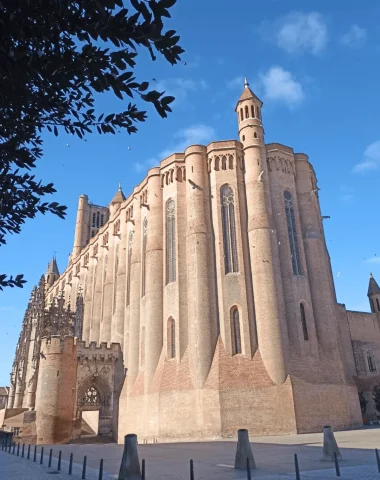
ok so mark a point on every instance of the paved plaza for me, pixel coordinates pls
(274, 458)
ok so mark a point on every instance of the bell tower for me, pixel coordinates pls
(52, 273)
(374, 295)
(271, 326)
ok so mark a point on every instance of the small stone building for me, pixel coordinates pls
(202, 303)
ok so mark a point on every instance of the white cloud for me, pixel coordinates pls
(355, 37)
(302, 33)
(195, 134)
(373, 260)
(280, 85)
(236, 82)
(180, 88)
(371, 160)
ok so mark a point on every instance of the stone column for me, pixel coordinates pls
(19, 395)
(265, 265)
(153, 278)
(318, 267)
(107, 302)
(201, 276)
(117, 328)
(82, 225)
(135, 294)
(88, 299)
(12, 389)
(97, 300)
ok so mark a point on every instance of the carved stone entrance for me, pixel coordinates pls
(100, 376)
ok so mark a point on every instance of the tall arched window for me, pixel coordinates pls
(93, 219)
(246, 111)
(97, 219)
(170, 242)
(303, 321)
(292, 233)
(371, 362)
(171, 338)
(145, 233)
(130, 242)
(235, 327)
(229, 229)
(378, 304)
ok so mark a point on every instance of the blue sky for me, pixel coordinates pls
(316, 67)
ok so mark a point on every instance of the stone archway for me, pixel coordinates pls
(95, 394)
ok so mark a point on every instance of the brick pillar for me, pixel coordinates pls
(117, 327)
(135, 294)
(153, 278)
(265, 265)
(97, 299)
(201, 276)
(107, 302)
(88, 298)
(318, 264)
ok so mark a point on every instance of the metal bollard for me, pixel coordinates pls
(336, 465)
(248, 470)
(14, 448)
(50, 457)
(59, 460)
(23, 450)
(71, 464)
(298, 476)
(18, 449)
(101, 470)
(10, 446)
(28, 457)
(143, 469)
(377, 460)
(84, 468)
(35, 453)
(191, 469)
(42, 456)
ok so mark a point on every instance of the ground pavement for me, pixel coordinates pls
(274, 458)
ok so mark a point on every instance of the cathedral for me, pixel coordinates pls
(202, 303)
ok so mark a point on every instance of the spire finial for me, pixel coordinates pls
(119, 187)
(370, 275)
(246, 84)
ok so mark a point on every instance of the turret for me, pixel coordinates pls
(117, 200)
(56, 390)
(272, 332)
(374, 294)
(52, 272)
(82, 229)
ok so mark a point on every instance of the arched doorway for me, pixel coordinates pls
(94, 413)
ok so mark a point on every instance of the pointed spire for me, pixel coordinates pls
(53, 267)
(373, 287)
(247, 94)
(119, 196)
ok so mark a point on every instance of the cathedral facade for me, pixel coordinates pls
(202, 303)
